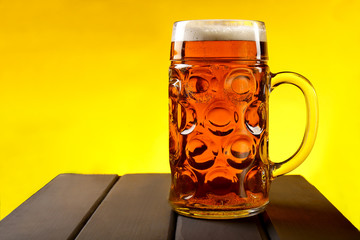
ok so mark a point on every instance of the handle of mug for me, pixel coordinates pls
(312, 118)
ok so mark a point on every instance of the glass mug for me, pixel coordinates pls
(219, 86)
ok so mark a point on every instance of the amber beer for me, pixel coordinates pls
(218, 107)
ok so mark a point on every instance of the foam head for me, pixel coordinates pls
(215, 30)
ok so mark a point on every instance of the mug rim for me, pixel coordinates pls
(220, 20)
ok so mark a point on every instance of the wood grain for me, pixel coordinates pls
(234, 229)
(298, 211)
(136, 208)
(59, 210)
(89, 207)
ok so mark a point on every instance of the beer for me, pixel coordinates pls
(218, 127)
(229, 49)
(218, 119)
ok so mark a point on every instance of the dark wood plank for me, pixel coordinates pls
(59, 210)
(297, 210)
(136, 208)
(234, 229)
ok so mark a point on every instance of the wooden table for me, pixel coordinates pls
(74, 206)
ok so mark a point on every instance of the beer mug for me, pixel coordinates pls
(219, 86)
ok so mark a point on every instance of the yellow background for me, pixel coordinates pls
(83, 88)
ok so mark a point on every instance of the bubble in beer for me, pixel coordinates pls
(220, 181)
(201, 152)
(185, 183)
(186, 119)
(220, 119)
(241, 152)
(255, 117)
(240, 85)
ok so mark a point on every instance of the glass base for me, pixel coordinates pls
(219, 214)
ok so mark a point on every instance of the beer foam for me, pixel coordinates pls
(216, 30)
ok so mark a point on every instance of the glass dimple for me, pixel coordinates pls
(240, 149)
(254, 180)
(174, 144)
(174, 83)
(186, 119)
(220, 181)
(185, 183)
(174, 88)
(173, 110)
(241, 152)
(240, 85)
(220, 119)
(198, 84)
(255, 117)
(236, 117)
(201, 152)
